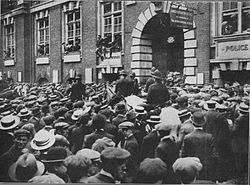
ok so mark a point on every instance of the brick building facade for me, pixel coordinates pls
(52, 41)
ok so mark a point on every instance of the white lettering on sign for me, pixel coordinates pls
(234, 49)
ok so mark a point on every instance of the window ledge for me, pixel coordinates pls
(232, 36)
(42, 60)
(9, 62)
(72, 57)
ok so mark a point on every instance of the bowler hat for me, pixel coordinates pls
(157, 74)
(42, 140)
(9, 122)
(154, 119)
(55, 154)
(25, 168)
(198, 119)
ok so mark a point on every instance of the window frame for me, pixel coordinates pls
(45, 41)
(12, 40)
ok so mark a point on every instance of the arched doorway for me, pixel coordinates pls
(167, 43)
(42, 81)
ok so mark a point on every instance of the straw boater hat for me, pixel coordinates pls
(77, 113)
(24, 112)
(243, 108)
(154, 119)
(140, 110)
(183, 113)
(43, 140)
(210, 105)
(9, 122)
(25, 168)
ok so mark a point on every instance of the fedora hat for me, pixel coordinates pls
(140, 110)
(198, 119)
(157, 74)
(25, 168)
(24, 112)
(43, 140)
(55, 154)
(9, 122)
(154, 119)
(243, 108)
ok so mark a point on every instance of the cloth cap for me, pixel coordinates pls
(131, 115)
(101, 144)
(89, 153)
(61, 141)
(48, 120)
(125, 125)
(113, 153)
(21, 132)
(47, 179)
(25, 168)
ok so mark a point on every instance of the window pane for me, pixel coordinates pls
(225, 6)
(107, 8)
(233, 5)
(230, 23)
(117, 6)
(41, 24)
(46, 23)
(77, 15)
(246, 20)
(245, 4)
(70, 17)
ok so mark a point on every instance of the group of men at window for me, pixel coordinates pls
(106, 45)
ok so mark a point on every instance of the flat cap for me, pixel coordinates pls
(112, 153)
(188, 164)
(21, 132)
(126, 124)
(89, 153)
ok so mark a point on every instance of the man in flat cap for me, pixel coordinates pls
(114, 166)
(130, 143)
(21, 138)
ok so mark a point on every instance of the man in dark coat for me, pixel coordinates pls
(123, 86)
(98, 124)
(240, 141)
(78, 89)
(201, 144)
(150, 80)
(114, 166)
(130, 144)
(157, 93)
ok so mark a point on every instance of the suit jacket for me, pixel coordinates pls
(90, 139)
(123, 87)
(77, 91)
(240, 140)
(168, 151)
(201, 144)
(149, 145)
(149, 82)
(212, 118)
(100, 178)
(157, 94)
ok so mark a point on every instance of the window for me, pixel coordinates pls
(111, 40)
(43, 37)
(235, 17)
(229, 18)
(10, 41)
(73, 31)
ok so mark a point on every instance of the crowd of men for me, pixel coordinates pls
(89, 133)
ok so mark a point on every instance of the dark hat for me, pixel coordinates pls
(154, 119)
(132, 74)
(198, 119)
(183, 113)
(9, 122)
(25, 168)
(140, 110)
(55, 154)
(84, 119)
(113, 153)
(152, 169)
(123, 72)
(120, 107)
(78, 76)
(62, 111)
(89, 153)
(131, 115)
(157, 74)
(126, 125)
(61, 141)
(48, 120)
(21, 132)
(187, 168)
(43, 140)
(78, 104)
(243, 108)
(35, 111)
(24, 112)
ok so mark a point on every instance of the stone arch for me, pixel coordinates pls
(42, 78)
(141, 49)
